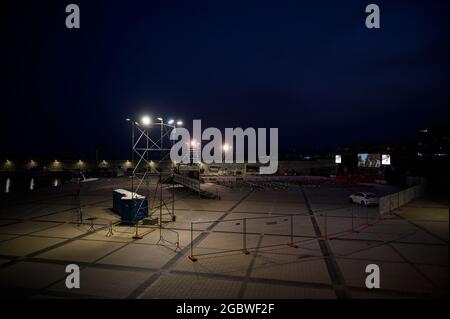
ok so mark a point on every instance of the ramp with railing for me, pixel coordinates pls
(194, 185)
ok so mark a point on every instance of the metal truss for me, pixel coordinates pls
(151, 147)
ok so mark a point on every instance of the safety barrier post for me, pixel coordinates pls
(367, 217)
(291, 244)
(352, 230)
(191, 256)
(136, 235)
(110, 230)
(178, 242)
(244, 236)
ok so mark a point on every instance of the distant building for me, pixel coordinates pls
(432, 142)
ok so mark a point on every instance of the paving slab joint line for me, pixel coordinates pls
(36, 253)
(422, 228)
(250, 268)
(340, 288)
(149, 282)
(421, 273)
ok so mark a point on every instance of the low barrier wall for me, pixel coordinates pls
(394, 201)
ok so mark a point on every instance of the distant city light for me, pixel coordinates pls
(338, 159)
(7, 186)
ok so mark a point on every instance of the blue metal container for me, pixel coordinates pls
(130, 207)
(117, 199)
(133, 210)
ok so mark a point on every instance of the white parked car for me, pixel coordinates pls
(364, 198)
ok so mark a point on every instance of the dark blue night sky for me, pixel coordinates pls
(310, 68)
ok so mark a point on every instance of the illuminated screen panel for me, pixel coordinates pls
(369, 160)
(386, 159)
(338, 159)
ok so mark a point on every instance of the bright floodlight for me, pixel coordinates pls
(170, 122)
(193, 142)
(179, 123)
(146, 120)
(160, 119)
(226, 147)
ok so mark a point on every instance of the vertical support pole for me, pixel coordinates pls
(367, 217)
(353, 222)
(80, 211)
(291, 244)
(160, 200)
(244, 237)
(136, 235)
(132, 157)
(110, 230)
(78, 201)
(174, 218)
(191, 256)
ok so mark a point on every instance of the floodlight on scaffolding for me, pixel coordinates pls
(146, 120)
(170, 122)
(179, 123)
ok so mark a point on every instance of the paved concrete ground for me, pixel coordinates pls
(335, 241)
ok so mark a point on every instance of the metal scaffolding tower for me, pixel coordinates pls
(152, 175)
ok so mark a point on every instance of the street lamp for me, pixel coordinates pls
(225, 148)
